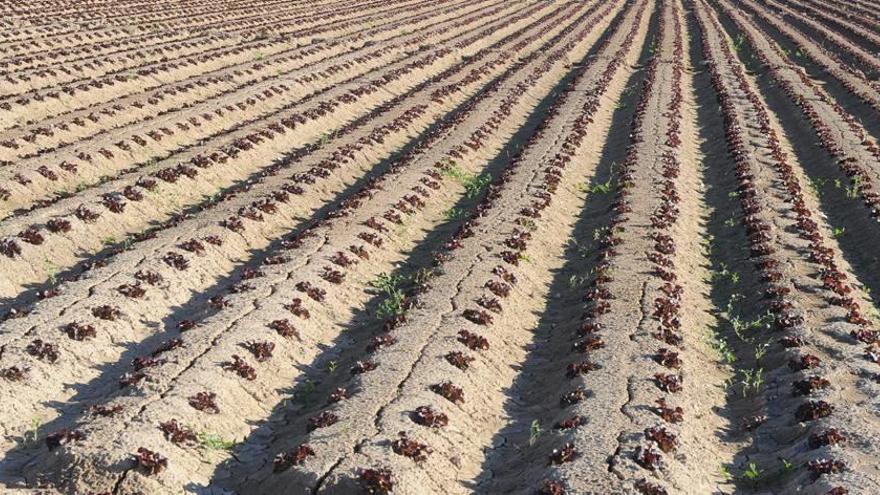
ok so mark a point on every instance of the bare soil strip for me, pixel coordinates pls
(810, 298)
(461, 309)
(244, 304)
(412, 246)
(129, 203)
(77, 125)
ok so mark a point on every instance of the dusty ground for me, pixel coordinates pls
(527, 246)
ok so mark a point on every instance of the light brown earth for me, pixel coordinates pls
(408, 246)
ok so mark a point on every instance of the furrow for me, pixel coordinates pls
(26, 86)
(42, 103)
(812, 299)
(219, 323)
(170, 187)
(69, 128)
(492, 247)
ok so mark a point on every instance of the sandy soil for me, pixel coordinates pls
(411, 246)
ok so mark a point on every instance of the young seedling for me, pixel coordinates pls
(723, 348)
(149, 462)
(752, 473)
(452, 214)
(52, 272)
(855, 187)
(31, 435)
(305, 394)
(604, 187)
(752, 381)
(534, 432)
(786, 465)
(393, 303)
(295, 457)
(818, 183)
(213, 441)
(377, 480)
(406, 447)
(475, 185)
(761, 350)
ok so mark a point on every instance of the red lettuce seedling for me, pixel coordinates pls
(150, 462)
(43, 350)
(177, 433)
(205, 401)
(425, 416)
(551, 487)
(416, 451)
(322, 420)
(449, 392)
(566, 453)
(296, 457)
(645, 487)
(459, 360)
(377, 481)
(63, 437)
(241, 367)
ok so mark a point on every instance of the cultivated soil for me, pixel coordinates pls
(440, 246)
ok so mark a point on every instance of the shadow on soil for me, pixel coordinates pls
(105, 386)
(310, 391)
(523, 447)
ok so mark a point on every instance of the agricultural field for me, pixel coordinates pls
(440, 246)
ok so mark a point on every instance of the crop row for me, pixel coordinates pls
(313, 295)
(241, 152)
(858, 34)
(52, 19)
(106, 29)
(837, 131)
(806, 287)
(59, 46)
(314, 166)
(435, 384)
(79, 124)
(40, 101)
(177, 261)
(199, 122)
(628, 349)
(849, 51)
(30, 74)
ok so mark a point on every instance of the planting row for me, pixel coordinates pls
(424, 185)
(127, 204)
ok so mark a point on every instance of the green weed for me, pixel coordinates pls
(534, 432)
(752, 472)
